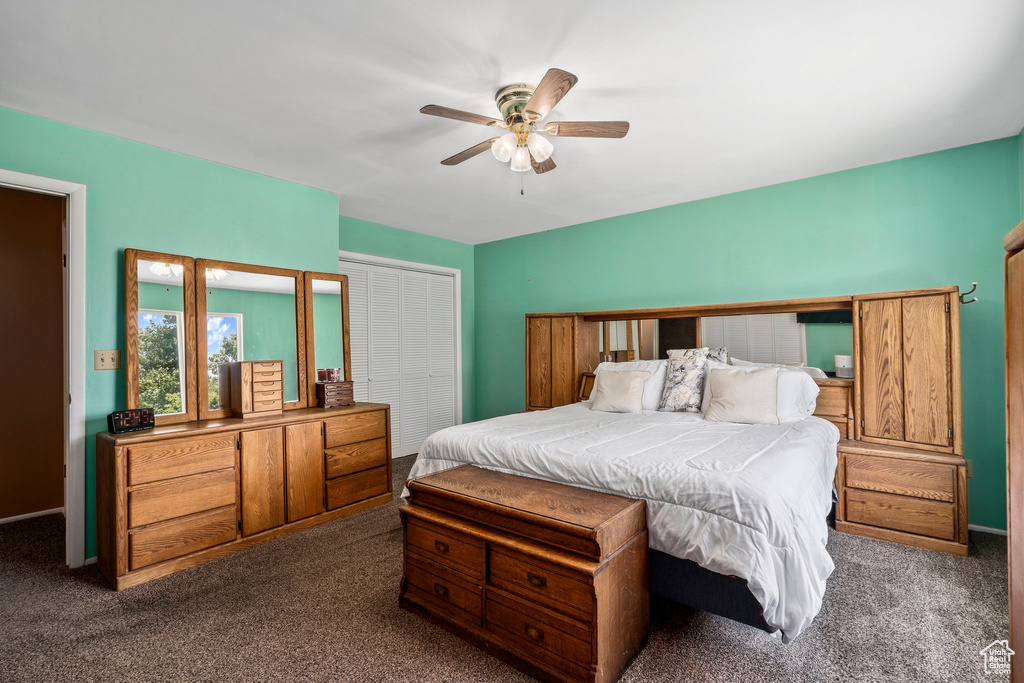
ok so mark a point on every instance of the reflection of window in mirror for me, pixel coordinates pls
(224, 344)
(161, 360)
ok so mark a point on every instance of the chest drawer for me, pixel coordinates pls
(935, 481)
(538, 581)
(447, 547)
(181, 536)
(901, 513)
(356, 457)
(346, 429)
(162, 500)
(445, 589)
(180, 457)
(530, 629)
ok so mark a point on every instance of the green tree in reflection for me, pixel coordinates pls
(159, 373)
(228, 354)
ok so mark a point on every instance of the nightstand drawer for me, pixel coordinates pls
(901, 513)
(515, 573)
(445, 589)
(446, 547)
(902, 477)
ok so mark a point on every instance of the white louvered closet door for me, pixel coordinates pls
(403, 348)
(758, 338)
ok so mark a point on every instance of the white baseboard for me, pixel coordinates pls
(91, 560)
(987, 529)
(30, 515)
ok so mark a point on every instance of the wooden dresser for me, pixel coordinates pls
(550, 578)
(179, 495)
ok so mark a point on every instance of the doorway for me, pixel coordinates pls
(33, 311)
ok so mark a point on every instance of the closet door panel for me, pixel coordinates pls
(562, 362)
(441, 358)
(386, 345)
(359, 321)
(926, 370)
(881, 350)
(390, 391)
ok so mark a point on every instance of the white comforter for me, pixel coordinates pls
(742, 500)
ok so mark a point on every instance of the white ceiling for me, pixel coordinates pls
(722, 96)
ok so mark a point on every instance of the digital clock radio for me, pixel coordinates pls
(131, 420)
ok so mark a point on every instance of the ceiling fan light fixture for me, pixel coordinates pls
(540, 147)
(521, 159)
(162, 269)
(504, 146)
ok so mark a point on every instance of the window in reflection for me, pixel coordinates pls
(161, 360)
(223, 345)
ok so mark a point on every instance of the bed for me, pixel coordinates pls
(736, 512)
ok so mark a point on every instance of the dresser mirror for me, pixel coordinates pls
(160, 319)
(327, 331)
(248, 313)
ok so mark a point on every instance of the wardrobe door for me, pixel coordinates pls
(441, 355)
(563, 365)
(262, 475)
(926, 375)
(880, 368)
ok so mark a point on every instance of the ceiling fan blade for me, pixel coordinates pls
(587, 129)
(469, 153)
(552, 88)
(459, 115)
(543, 166)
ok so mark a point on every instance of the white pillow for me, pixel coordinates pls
(743, 396)
(619, 392)
(816, 373)
(797, 392)
(655, 384)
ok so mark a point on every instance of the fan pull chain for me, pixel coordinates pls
(521, 181)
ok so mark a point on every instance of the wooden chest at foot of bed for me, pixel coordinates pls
(549, 578)
(904, 495)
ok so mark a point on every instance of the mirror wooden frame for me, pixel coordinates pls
(307, 287)
(201, 267)
(131, 330)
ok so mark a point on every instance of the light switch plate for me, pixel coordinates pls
(106, 359)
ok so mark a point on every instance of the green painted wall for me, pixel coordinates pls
(144, 197)
(381, 240)
(936, 219)
(824, 341)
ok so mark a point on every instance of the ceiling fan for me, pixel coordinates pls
(522, 107)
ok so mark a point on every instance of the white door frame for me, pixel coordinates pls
(371, 260)
(74, 449)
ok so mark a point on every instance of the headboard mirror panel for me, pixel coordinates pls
(248, 312)
(327, 326)
(160, 334)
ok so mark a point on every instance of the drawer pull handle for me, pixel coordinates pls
(441, 546)
(534, 633)
(538, 581)
(441, 590)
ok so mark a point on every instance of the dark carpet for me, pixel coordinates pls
(323, 606)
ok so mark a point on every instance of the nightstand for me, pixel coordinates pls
(903, 495)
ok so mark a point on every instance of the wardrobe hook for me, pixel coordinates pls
(963, 300)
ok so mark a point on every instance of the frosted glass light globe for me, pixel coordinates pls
(540, 147)
(503, 147)
(521, 160)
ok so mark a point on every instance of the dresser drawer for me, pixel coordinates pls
(526, 577)
(444, 589)
(902, 477)
(356, 487)
(275, 396)
(346, 429)
(266, 406)
(267, 386)
(535, 631)
(162, 500)
(180, 457)
(267, 366)
(901, 513)
(275, 377)
(181, 536)
(446, 547)
(356, 457)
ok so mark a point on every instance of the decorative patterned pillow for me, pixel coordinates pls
(684, 384)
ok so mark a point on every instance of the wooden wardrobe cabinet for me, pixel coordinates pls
(559, 348)
(907, 351)
(179, 495)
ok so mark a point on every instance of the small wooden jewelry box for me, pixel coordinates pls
(333, 394)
